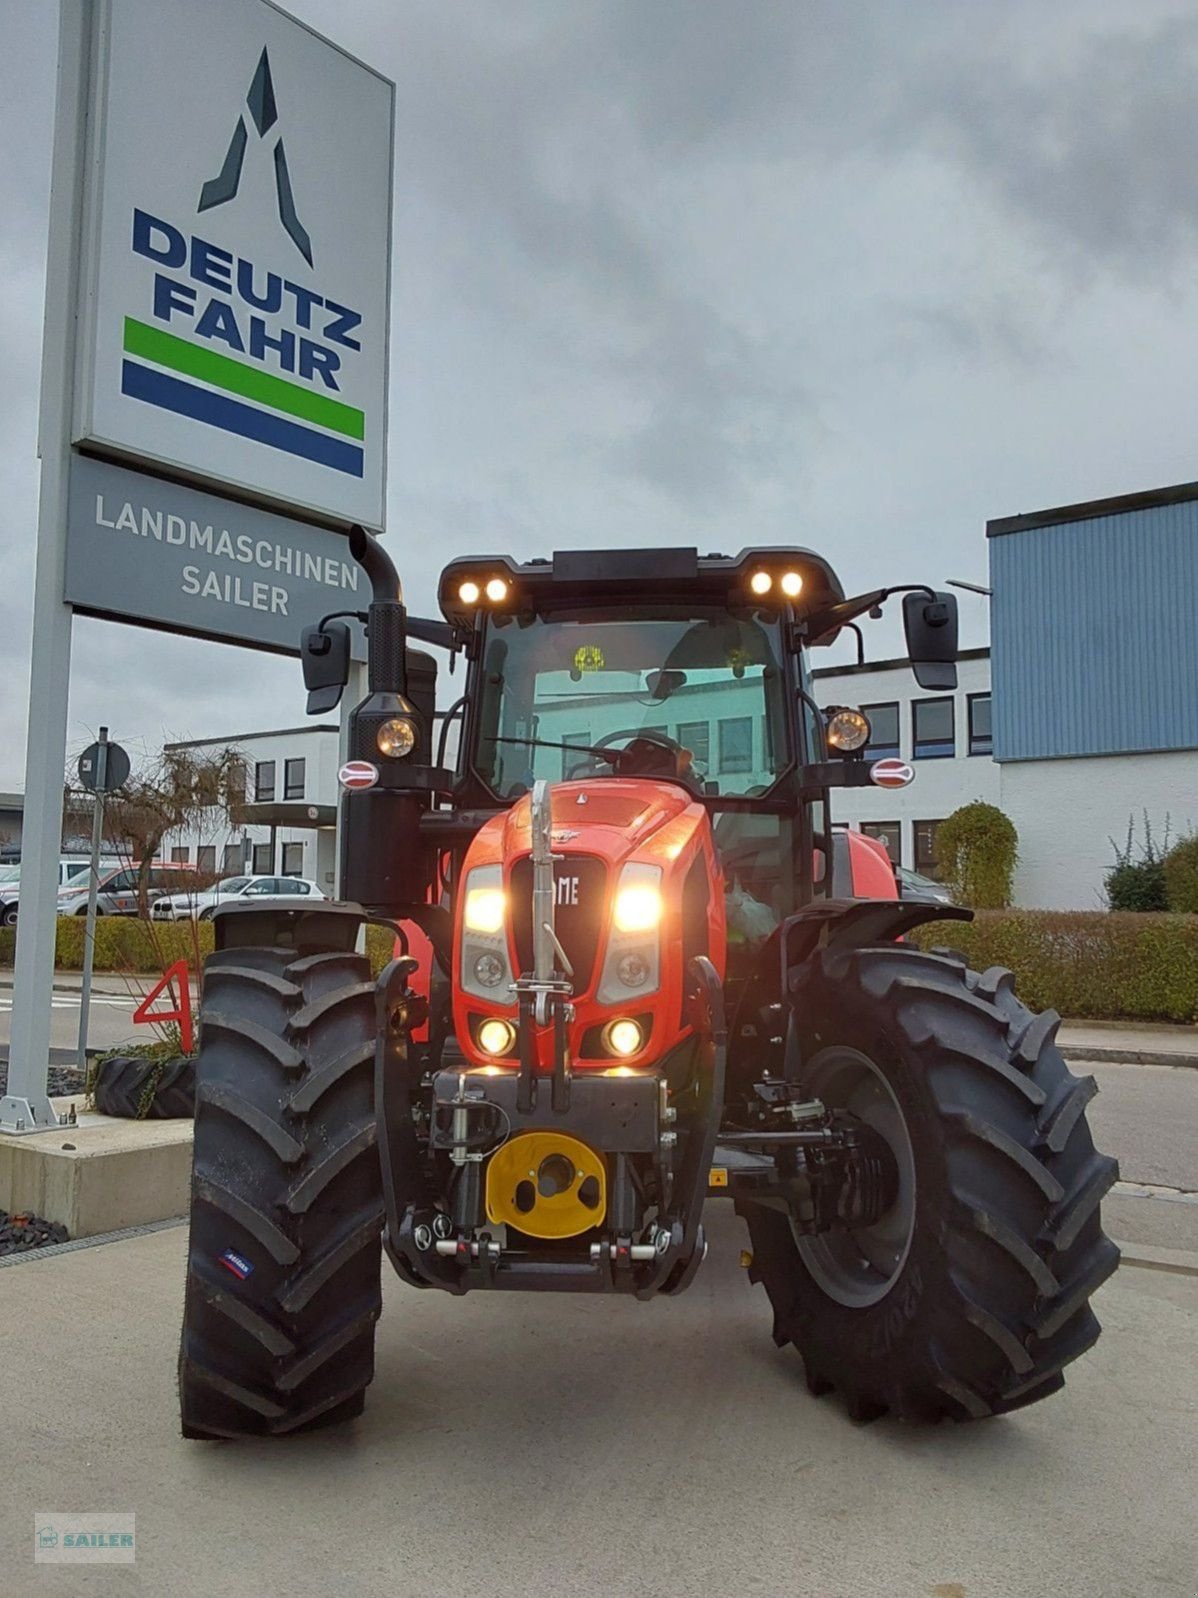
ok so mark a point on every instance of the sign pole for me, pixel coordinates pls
(93, 889)
(26, 1106)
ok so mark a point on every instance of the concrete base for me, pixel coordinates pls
(101, 1175)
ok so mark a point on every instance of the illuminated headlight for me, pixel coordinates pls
(469, 593)
(632, 963)
(638, 905)
(791, 584)
(761, 582)
(396, 737)
(496, 1036)
(497, 590)
(848, 730)
(485, 909)
(623, 1037)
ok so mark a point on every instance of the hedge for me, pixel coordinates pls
(1086, 964)
(124, 943)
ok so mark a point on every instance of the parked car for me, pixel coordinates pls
(117, 894)
(919, 889)
(72, 869)
(231, 890)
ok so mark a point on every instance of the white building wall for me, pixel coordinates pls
(941, 785)
(317, 746)
(1066, 813)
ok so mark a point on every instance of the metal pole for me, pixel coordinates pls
(26, 1106)
(93, 888)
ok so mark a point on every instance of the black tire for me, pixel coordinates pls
(124, 1083)
(992, 1298)
(9, 916)
(285, 1179)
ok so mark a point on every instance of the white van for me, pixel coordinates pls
(72, 871)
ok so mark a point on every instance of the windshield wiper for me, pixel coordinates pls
(540, 743)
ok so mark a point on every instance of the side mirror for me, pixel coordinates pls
(931, 629)
(324, 652)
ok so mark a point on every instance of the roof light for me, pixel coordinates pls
(469, 593)
(496, 590)
(791, 584)
(761, 582)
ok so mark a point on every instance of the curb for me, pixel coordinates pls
(1099, 1054)
(1173, 1261)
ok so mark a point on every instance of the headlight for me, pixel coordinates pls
(761, 582)
(638, 907)
(496, 1036)
(396, 737)
(490, 969)
(848, 730)
(623, 1037)
(485, 909)
(791, 584)
(469, 593)
(633, 970)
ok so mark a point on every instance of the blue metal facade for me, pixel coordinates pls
(1094, 622)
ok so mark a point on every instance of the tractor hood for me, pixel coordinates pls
(611, 818)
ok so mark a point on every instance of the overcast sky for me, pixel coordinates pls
(858, 276)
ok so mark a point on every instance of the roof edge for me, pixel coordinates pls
(1091, 510)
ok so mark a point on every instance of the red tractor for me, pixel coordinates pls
(635, 967)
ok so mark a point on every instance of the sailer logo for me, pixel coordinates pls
(222, 188)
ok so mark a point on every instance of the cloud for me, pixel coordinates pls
(710, 271)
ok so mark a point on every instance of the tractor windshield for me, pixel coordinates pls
(706, 680)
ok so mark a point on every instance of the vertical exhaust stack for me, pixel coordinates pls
(384, 866)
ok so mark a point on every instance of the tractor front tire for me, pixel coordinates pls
(284, 1259)
(972, 1294)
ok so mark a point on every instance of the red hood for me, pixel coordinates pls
(610, 818)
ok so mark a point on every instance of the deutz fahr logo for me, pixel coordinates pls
(220, 189)
(248, 350)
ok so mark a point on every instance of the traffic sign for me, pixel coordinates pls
(103, 775)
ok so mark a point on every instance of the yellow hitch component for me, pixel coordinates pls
(718, 1176)
(546, 1184)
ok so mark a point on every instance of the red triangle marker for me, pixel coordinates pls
(182, 1011)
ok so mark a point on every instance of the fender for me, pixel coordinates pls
(854, 923)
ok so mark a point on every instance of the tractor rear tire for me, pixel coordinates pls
(284, 1259)
(985, 1297)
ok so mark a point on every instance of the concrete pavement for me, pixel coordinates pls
(540, 1445)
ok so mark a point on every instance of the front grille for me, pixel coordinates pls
(579, 918)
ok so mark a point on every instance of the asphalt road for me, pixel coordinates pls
(539, 1445)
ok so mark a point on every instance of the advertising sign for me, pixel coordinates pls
(238, 254)
(168, 556)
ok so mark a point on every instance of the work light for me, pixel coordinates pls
(848, 730)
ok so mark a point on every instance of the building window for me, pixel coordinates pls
(264, 780)
(293, 859)
(232, 861)
(180, 857)
(889, 833)
(884, 730)
(573, 740)
(293, 779)
(927, 834)
(263, 859)
(736, 743)
(206, 859)
(980, 741)
(933, 727)
(696, 736)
